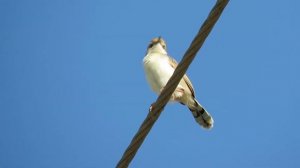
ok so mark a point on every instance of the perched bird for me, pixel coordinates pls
(159, 67)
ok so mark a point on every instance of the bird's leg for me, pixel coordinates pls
(178, 93)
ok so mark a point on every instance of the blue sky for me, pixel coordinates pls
(73, 91)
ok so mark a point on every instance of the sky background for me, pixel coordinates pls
(73, 91)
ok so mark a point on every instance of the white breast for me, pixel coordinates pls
(158, 70)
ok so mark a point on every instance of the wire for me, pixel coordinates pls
(173, 82)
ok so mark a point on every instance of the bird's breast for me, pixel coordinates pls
(158, 71)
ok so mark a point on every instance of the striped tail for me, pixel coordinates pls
(201, 115)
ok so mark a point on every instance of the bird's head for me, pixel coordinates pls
(157, 45)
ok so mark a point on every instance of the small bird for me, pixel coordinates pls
(159, 67)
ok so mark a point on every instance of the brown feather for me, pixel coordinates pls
(186, 79)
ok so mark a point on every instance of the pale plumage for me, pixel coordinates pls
(159, 67)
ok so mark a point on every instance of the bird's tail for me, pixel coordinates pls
(201, 115)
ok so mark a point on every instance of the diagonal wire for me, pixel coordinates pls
(173, 82)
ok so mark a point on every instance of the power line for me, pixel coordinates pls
(173, 82)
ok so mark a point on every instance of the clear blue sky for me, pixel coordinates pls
(73, 91)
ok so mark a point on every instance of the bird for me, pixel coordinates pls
(159, 67)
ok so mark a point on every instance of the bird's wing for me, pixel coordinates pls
(186, 79)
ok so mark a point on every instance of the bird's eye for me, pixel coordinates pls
(164, 46)
(150, 45)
